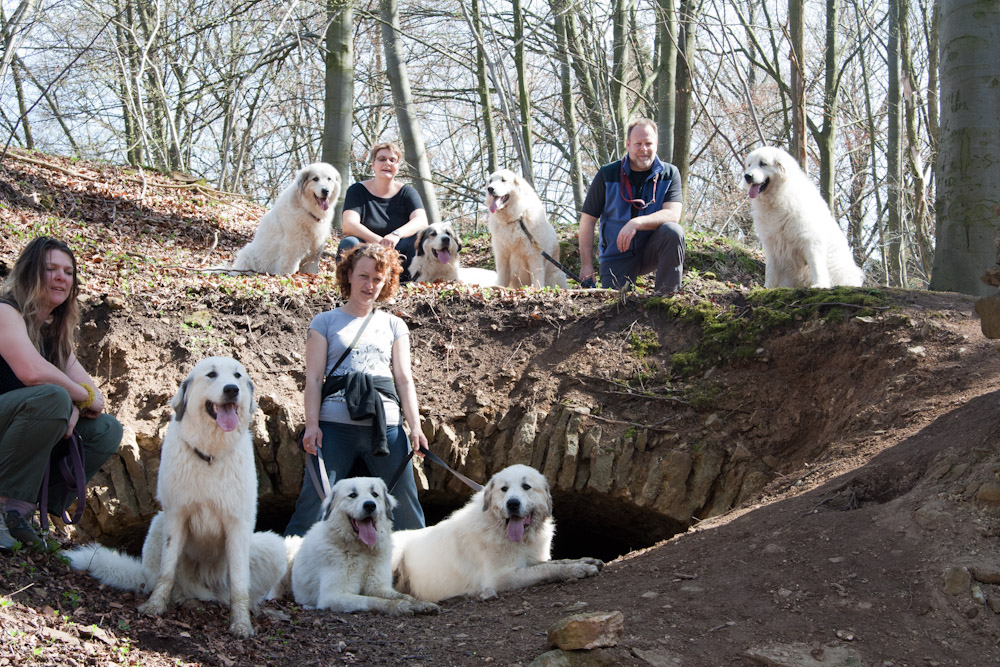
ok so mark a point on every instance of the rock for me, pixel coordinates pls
(957, 580)
(988, 309)
(559, 658)
(986, 576)
(988, 495)
(477, 421)
(523, 440)
(673, 497)
(804, 655)
(588, 630)
(658, 657)
(131, 456)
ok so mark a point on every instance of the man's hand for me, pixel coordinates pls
(626, 235)
(587, 278)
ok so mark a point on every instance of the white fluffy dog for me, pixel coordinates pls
(343, 562)
(437, 258)
(292, 235)
(202, 544)
(803, 246)
(499, 541)
(511, 199)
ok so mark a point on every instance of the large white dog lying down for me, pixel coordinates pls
(291, 236)
(343, 562)
(499, 541)
(803, 246)
(202, 545)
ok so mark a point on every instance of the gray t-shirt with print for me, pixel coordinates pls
(371, 355)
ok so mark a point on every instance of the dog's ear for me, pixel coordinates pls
(303, 178)
(327, 508)
(250, 390)
(781, 161)
(420, 241)
(390, 500)
(487, 492)
(179, 401)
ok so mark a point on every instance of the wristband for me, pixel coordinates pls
(91, 395)
(396, 234)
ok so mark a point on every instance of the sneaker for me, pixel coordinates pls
(21, 530)
(7, 543)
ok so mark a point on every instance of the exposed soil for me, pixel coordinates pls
(873, 542)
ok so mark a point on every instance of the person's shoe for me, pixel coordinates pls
(7, 543)
(21, 530)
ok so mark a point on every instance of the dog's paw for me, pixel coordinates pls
(417, 607)
(596, 562)
(152, 607)
(584, 570)
(488, 594)
(241, 629)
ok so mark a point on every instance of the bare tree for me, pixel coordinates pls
(969, 150)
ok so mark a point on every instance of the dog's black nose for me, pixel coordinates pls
(325, 192)
(231, 391)
(748, 178)
(369, 507)
(514, 506)
(490, 189)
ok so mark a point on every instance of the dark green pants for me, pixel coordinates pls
(32, 421)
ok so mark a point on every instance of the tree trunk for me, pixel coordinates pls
(827, 138)
(523, 95)
(666, 79)
(682, 121)
(338, 103)
(796, 29)
(619, 71)
(559, 14)
(483, 86)
(406, 117)
(969, 150)
(894, 227)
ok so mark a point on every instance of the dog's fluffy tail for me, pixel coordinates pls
(110, 567)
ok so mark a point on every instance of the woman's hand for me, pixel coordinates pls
(312, 439)
(418, 440)
(94, 409)
(74, 417)
(389, 240)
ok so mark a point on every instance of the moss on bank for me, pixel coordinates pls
(734, 331)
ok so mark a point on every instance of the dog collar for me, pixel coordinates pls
(202, 455)
(314, 217)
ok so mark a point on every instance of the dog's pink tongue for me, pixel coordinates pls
(226, 417)
(515, 528)
(367, 532)
(444, 256)
(493, 205)
(323, 203)
(754, 190)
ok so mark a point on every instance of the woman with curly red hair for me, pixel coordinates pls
(372, 391)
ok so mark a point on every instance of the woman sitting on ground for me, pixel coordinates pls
(44, 392)
(378, 363)
(381, 209)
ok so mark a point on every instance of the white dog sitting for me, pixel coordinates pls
(803, 246)
(437, 258)
(499, 541)
(292, 235)
(511, 201)
(344, 561)
(202, 545)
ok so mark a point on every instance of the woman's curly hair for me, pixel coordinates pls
(387, 263)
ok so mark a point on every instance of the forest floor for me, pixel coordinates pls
(875, 543)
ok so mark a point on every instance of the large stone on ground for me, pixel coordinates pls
(588, 630)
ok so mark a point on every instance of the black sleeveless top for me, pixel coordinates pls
(9, 381)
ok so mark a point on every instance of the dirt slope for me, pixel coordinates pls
(873, 543)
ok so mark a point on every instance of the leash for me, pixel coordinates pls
(546, 255)
(436, 459)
